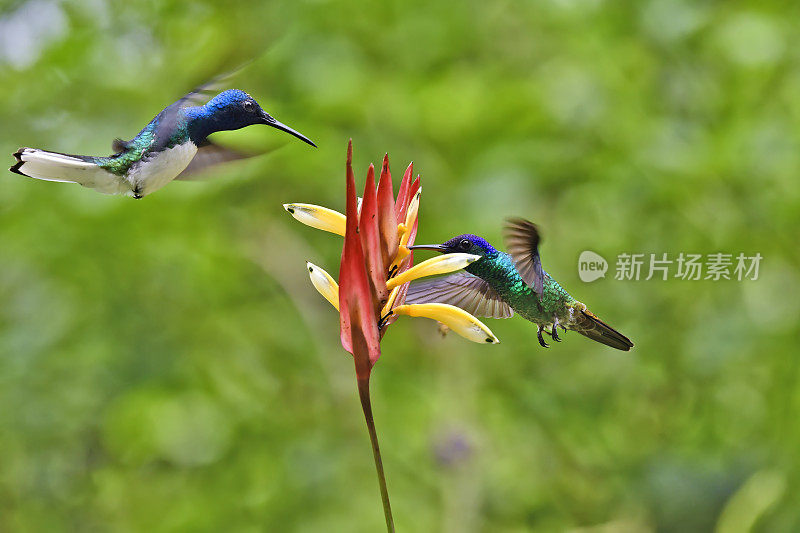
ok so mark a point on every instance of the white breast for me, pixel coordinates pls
(156, 171)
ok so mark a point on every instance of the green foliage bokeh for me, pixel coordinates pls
(166, 366)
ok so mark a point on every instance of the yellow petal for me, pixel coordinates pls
(390, 302)
(402, 253)
(324, 283)
(318, 217)
(437, 265)
(411, 217)
(404, 232)
(454, 318)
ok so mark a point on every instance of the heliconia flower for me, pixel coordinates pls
(374, 274)
(386, 228)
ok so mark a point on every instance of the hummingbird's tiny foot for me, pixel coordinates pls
(554, 334)
(541, 340)
(393, 271)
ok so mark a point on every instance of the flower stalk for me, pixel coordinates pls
(366, 407)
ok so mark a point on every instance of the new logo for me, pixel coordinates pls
(591, 266)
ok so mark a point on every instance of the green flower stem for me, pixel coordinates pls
(366, 405)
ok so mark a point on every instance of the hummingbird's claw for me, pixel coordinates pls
(541, 340)
(554, 330)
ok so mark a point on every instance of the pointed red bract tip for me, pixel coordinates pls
(386, 173)
(403, 198)
(356, 308)
(371, 242)
(387, 219)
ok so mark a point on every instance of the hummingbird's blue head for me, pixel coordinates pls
(234, 109)
(466, 244)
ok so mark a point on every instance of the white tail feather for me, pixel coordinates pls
(51, 166)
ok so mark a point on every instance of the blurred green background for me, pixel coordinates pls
(165, 364)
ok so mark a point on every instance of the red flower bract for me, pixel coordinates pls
(371, 245)
(369, 258)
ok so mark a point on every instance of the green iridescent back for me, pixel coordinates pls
(501, 274)
(121, 162)
(147, 140)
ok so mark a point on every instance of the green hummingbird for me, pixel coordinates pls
(499, 284)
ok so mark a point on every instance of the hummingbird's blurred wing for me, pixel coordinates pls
(522, 241)
(463, 290)
(118, 145)
(169, 115)
(208, 155)
(168, 118)
(203, 93)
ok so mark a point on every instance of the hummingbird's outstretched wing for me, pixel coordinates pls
(202, 93)
(522, 241)
(463, 290)
(209, 153)
(168, 117)
(198, 96)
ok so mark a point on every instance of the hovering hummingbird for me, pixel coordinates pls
(173, 145)
(499, 284)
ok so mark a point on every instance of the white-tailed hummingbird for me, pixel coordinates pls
(172, 146)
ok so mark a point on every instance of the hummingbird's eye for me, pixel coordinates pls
(464, 244)
(248, 105)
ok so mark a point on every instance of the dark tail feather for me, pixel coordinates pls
(597, 330)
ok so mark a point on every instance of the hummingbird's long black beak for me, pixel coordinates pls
(269, 121)
(437, 247)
